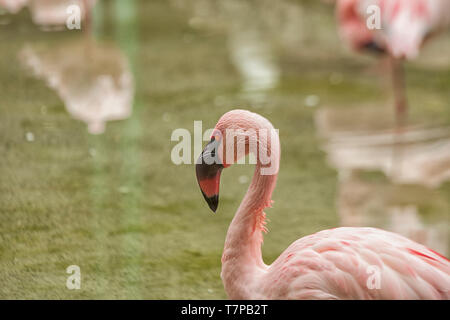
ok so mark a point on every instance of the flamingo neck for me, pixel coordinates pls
(242, 261)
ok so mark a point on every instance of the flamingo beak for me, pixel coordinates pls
(208, 169)
(373, 47)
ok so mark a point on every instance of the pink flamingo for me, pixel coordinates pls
(405, 26)
(341, 263)
(54, 12)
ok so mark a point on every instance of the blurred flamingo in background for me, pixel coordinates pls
(341, 263)
(55, 12)
(51, 12)
(405, 25)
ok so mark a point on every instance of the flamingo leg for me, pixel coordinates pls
(398, 81)
(88, 18)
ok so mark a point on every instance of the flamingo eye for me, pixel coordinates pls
(216, 135)
(213, 151)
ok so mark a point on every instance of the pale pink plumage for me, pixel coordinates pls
(405, 24)
(331, 264)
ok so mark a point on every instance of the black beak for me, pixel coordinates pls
(208, 169)
(373, 47)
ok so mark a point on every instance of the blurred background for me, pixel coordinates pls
(86, 118)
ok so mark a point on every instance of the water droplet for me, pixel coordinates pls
(124, 190)
(92, 152)
(29, 136)
(312, 101)
(243, 179)
(166, 117)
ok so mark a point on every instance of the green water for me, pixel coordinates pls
(115, 204)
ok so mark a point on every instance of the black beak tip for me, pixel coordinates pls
(213, 202)
(373, 47)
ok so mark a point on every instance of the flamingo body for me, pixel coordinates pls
(345, 263)
(405, 24)
(341, 263)
(403, 27)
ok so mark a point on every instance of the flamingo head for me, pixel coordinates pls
(214, 159)
(237, 133)
(353, 28)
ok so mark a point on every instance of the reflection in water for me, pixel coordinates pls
(251, 31)
(414, 155)
(253, 58)
(250, 50)
(395, 208)
(415, 160)
(93, 80)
